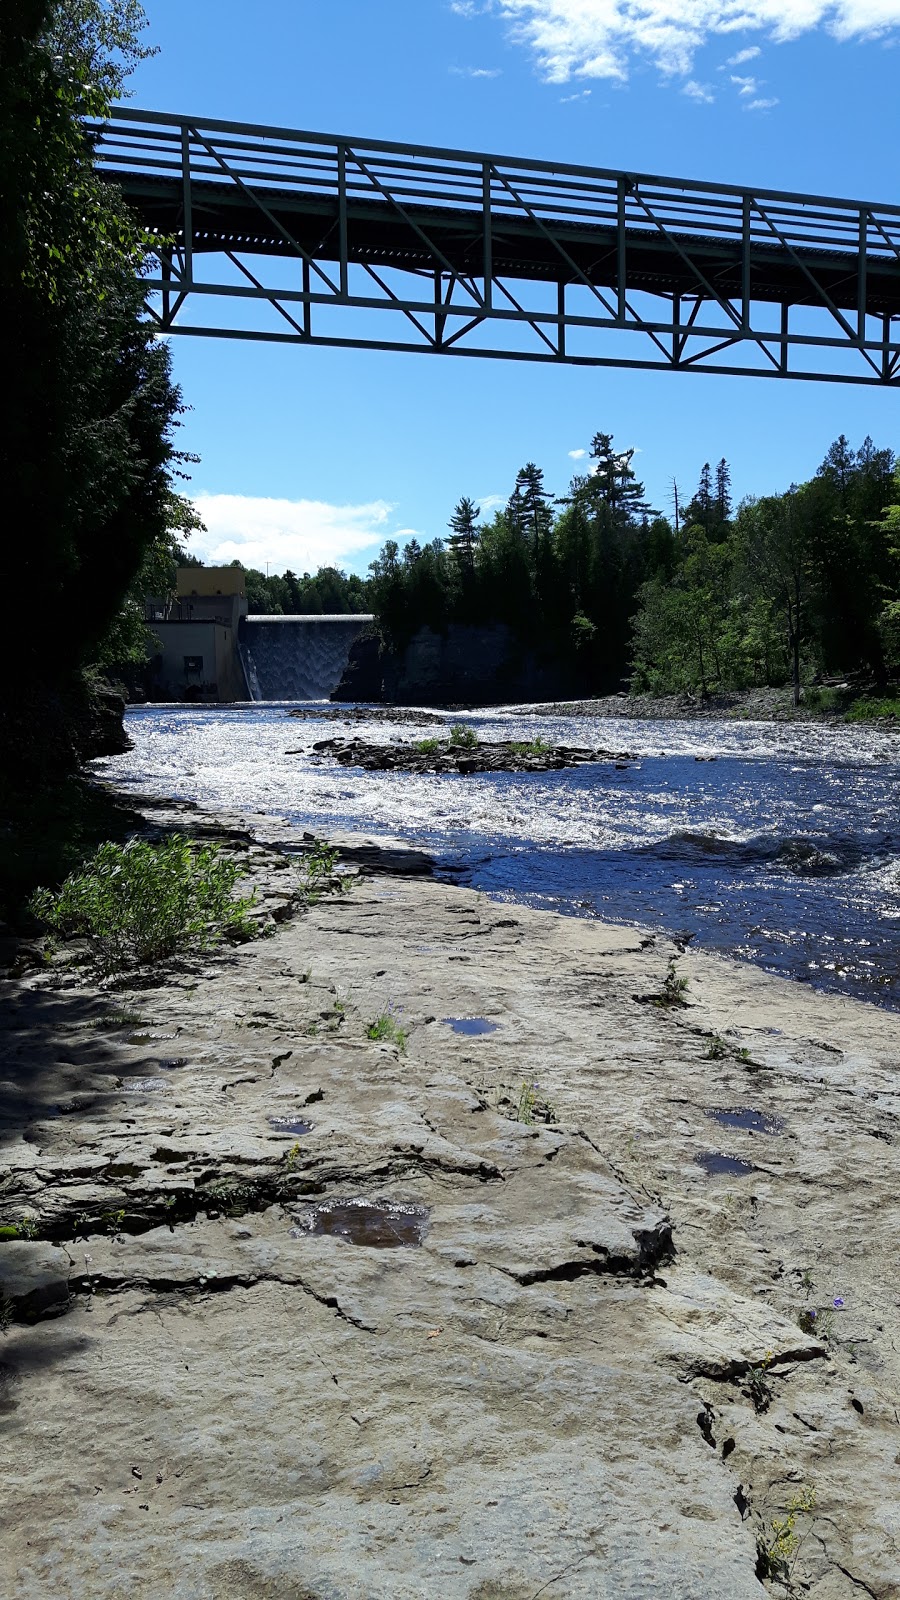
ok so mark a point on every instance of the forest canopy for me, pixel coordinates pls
(782, 588)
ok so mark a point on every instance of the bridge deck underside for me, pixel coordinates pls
(287, 223)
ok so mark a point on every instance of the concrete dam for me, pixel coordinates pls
(296, 658)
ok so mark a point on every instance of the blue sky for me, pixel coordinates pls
(315, 455)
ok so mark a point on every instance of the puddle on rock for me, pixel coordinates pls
(144, 1085)
(471, 1026)
(748, 1118)
(717, 1165)
(295, 1125)
(380, 1224)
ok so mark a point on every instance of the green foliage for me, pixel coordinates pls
(872, 710)
(530, 747)
(25, 1228)
(327, 592)
(673, 990)
(141, 902)
(386, 1029)
(757, 1383)
(86, 435)
(318, 875)
(527, 1101)
(427, 747)
(782, 588)
(777, 1548)
(50, 833)
(467, 738)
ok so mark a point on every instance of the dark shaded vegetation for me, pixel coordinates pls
(87, 452)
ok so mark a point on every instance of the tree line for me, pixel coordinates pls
(781, 588)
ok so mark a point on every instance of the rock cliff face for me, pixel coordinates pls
(466, 665)
(50, 730)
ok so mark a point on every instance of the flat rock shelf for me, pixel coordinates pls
(324, 1317)
(445, 756)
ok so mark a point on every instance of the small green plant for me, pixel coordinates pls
(817, 698)
(25, 1228)
(427, 747)
(530, 747)
(717, 1049)
(532, 1106)
(673, 990)
(106, 1222)
(318, 872)
(387, 1030)
(292, 1156)
(229, 1195)
(757, 1384)
(527, 1100)
(818, 1321)
(461, 735)
(139, 903)
(777, 1549)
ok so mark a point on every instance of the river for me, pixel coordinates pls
(775, 843)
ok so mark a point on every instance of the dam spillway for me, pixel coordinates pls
(297, 658)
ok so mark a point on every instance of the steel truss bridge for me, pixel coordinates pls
(310, 239)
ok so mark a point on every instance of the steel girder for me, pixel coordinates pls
(311, 238)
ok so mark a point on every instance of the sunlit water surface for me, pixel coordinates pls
(716, 848)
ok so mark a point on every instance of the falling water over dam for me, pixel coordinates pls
(297, 658)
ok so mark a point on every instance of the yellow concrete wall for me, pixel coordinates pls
(210, 581)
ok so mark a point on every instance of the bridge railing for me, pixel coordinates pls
(721, 251)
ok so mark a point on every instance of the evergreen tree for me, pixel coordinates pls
(701, 507)
(723, 492)
(464, 535)
(533, 505)
(613, 482)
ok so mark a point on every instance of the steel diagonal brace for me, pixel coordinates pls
(269, 297)
(399, 306)
(573, 265)
(891, 244)
(524, 314)
(712, 291)
(255, 200)
(711, 350)
(392, 200)
(841, 321)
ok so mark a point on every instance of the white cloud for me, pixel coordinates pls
(744, 55)
(760, 105)
(300, 534)
(577, 455)
(490, 502)
(476, 72)
(698, 91)
(746, 85)
(598, 38)
(581, 94)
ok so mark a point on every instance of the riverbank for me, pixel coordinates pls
(559, 1385)
(740, 705)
